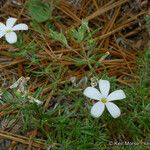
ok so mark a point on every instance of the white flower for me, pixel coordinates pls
(104, 99)
(8, 30)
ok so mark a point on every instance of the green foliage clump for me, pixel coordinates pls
(40, 11)
(59, 37)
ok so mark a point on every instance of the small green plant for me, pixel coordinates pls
(39, 10)
(80, 33)
(83, 33)
(66, 119)
(58, 37)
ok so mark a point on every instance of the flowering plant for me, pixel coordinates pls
(104, 99)
(8, 30)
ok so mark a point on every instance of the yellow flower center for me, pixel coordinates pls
(7, 31)
(103, 100)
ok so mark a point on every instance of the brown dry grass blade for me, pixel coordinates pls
(21, 139)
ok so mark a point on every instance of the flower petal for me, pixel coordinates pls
(92, 93)
(116, 95)
(104, 87)
(10, 22)
(20, 26)
(2, 33)
(97, 109)
(11, 37)
(2, 27)
(113, 109)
